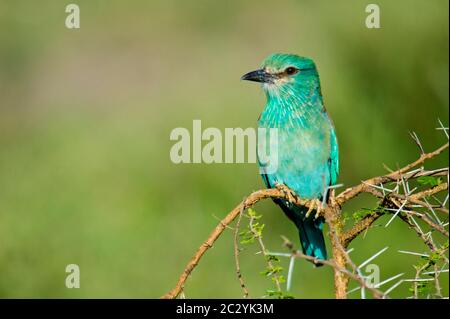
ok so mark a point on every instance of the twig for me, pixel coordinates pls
(264, 252)
(407, 219)
(236, 255)
(436, 281)
(360, 227)
(356, 190)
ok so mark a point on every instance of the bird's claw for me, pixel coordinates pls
(316, 205)
(319, 211)
(286, 191)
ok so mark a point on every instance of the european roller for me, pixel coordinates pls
(307, 146)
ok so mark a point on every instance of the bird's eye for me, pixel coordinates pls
(291, 70)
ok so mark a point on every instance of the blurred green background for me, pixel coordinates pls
(85, 118)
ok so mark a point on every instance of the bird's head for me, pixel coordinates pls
(285, 74)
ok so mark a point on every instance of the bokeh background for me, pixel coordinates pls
(85, 118)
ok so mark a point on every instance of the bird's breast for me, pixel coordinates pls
(302, 152)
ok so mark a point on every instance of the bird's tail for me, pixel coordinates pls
(311, 238)
(310, 229)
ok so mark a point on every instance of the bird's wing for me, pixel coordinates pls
(334, 157)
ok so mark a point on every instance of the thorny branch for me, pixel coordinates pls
(351, 192)
(297, 254)
(404, 205)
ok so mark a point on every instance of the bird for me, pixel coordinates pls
(307, 147)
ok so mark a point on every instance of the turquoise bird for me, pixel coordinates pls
(307, 148)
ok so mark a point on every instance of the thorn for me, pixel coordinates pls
(393, 287)
(373, 257)
(395, 215)
(412, 253)
(445, 129)
(290, 272)
(417, 141)
(388, 280)
(387, 168)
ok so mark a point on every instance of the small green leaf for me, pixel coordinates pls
(272, 258)
(278, 294)
(429, 180)
(360, 214)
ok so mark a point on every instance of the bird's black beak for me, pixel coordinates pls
(258, 76)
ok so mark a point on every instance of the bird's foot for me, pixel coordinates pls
(290, 195)
(316, 205)
(319, 210)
